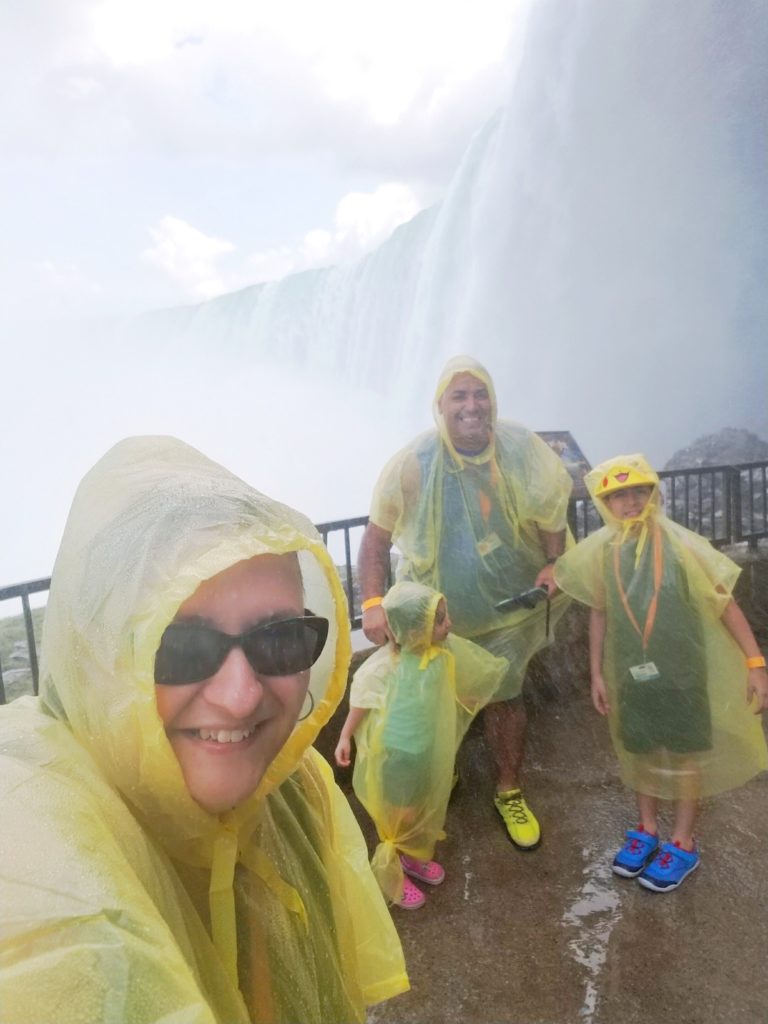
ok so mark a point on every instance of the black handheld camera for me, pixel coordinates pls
(528, 599)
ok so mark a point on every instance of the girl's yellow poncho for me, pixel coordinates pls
(422, 699)
(122, 900)
(468, 525)
(676, 678)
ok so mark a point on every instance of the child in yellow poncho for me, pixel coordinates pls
(175, 849)
(410, 705)
(668, 646)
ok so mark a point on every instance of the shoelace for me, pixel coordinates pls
(665, 860)
(515, 805)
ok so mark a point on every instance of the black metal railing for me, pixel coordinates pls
(332, 533)
(726, 504)
(22, 591)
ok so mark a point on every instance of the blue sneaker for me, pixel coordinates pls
(669, 868)
(631, 859)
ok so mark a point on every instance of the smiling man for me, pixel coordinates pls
(478, 510)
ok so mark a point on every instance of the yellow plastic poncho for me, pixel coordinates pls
(122, 899)
(422, 699)
(468, 525)
(681, 728)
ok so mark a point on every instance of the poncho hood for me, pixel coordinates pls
(410, 609)
(150, 522)
(455, 366)
(634, 468)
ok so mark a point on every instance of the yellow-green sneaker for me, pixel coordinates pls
(522, 827)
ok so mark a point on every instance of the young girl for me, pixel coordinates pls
(410, 706)
(175, 848)
(674, 664)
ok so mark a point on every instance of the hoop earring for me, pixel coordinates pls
(311, 707)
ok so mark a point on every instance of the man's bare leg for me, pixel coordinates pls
(505, 725)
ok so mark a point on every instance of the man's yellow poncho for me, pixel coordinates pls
(124, 902)
(468, 525)
(682, 728)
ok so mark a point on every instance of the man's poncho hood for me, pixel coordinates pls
(150, 522)
(455, 366)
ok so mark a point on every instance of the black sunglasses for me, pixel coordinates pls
(190, 652)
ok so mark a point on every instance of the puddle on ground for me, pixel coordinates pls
(594, 912)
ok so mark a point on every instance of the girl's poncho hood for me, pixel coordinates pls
(150, 522)
(410, 609)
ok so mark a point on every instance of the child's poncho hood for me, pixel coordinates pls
(410, 609)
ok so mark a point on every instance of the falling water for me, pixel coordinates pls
(603, 245)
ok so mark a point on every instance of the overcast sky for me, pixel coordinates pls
(158, 152)
(162, 152)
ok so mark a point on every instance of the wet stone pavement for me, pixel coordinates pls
(552, 936)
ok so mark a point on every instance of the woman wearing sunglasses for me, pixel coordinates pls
(175, 850)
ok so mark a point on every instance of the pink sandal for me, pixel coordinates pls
(412, 897)
(428, 871)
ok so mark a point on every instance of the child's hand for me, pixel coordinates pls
(343, 751)
(757, 687)
(600, 695)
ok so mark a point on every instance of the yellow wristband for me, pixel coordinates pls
(758, 662)
(372, 602)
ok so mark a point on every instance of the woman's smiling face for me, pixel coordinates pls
(227, 729)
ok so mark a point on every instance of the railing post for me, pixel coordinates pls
(350, 584)
(733, 506)
(31, 644)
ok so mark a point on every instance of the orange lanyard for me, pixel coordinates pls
(658, 568)
(484, 498)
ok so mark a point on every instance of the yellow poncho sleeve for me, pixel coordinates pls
(541, 482)
(713, 573)
(579, 572)
(369, 683)
(397, 489)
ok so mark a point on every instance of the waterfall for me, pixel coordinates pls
(603, 246)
